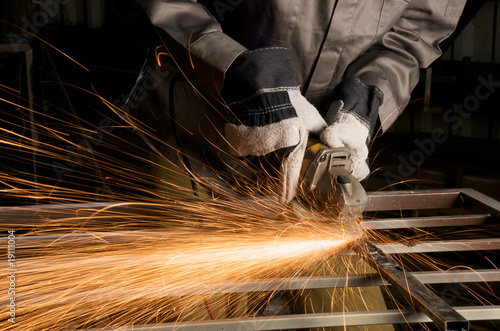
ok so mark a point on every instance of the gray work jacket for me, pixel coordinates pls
(383, 42)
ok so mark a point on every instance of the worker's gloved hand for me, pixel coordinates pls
(351, 121)
(267, 113)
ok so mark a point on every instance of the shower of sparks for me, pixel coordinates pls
(70, 283)
(155, 254)
(152, 258)
(149, 258)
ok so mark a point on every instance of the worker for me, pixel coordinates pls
(273, 71)
(232, 80)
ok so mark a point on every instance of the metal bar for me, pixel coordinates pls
(320, 320)
(58, 240)
(441, 246)
(29, 216)
(474, 200)
(296, 284)
(261, 286)
(281, 284)
(36, 215)
(144, 236)
(54, 215)
(412, 200)
(483, 209)
(425, 222)
(458, 276)
(436, 308)
(383, 200)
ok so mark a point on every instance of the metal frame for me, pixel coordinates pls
(319, 320)
(440, 312)
(464, 207)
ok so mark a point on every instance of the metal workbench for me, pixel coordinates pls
(389, 212)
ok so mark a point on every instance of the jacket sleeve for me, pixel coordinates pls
(195, 40)
(393, 62)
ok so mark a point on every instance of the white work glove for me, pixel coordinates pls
(351, 121)
(269, 114)
(291, 133)
(346, 130)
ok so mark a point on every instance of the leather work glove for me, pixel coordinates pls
(351, 121)
(268, 113)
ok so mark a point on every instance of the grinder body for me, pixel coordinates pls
(326, 178)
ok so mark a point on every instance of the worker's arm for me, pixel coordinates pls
(392, 64)
(378, 84)
(269, 115)
(264, 110)
(196, 42)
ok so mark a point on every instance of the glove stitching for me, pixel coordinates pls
(264, 91)
(377, 90)
(267, 110)
(359, 118)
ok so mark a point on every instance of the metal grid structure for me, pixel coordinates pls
(389, 212)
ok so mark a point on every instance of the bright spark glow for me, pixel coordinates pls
(76, 283)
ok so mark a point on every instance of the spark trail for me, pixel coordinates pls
(70, 285)
(78, 282)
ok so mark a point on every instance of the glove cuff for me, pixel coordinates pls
(360, 100)
(258, 71)
(257, 87)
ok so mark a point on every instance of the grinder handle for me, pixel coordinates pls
(326, 173)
